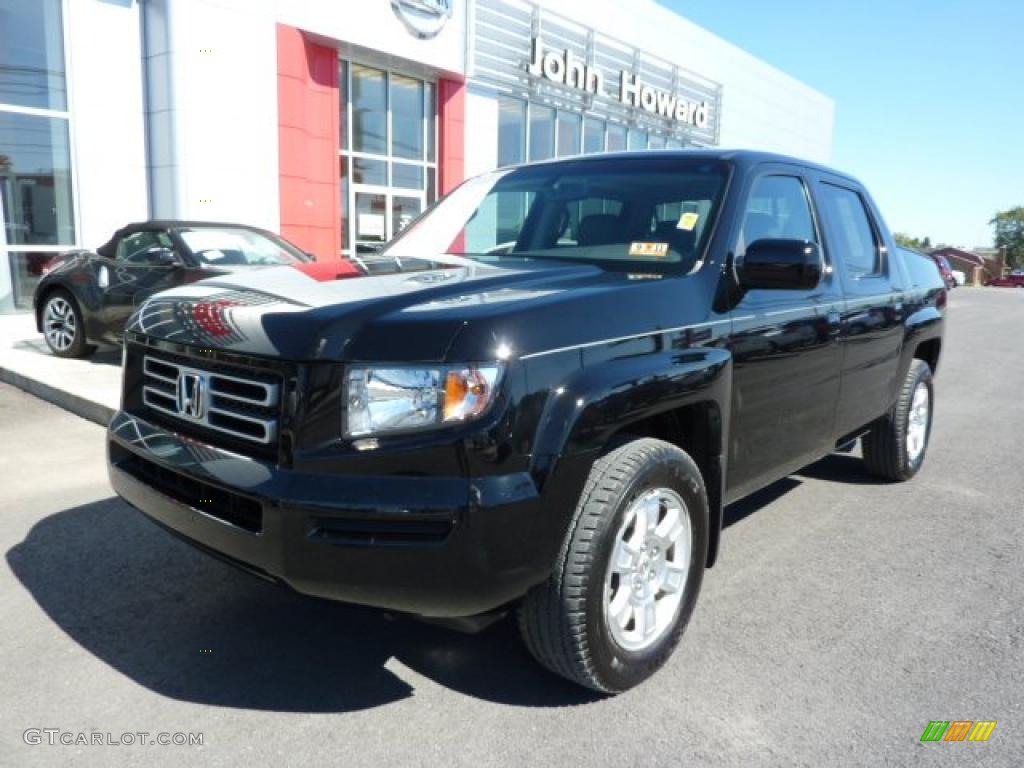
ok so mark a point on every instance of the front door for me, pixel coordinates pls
(130, 277)
(784, 343)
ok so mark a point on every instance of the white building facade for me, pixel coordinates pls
(335, 123)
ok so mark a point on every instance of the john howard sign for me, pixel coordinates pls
(535, 54)
(562, 67)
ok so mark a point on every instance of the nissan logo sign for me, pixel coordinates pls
(423, 18)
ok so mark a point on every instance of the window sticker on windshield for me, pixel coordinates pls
(688, 221)
(657, 250)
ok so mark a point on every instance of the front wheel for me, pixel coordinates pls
(896, 445)
(629, 573)
(63, 326)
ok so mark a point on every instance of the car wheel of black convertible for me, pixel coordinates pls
(627, 579)
(896, 445)
(63, 327)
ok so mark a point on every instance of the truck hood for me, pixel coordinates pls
(473, 311)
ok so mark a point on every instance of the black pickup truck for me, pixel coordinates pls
(539, 397)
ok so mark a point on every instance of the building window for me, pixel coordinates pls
(569, 132)
(637, 139)
(37, 217)
(369, 110)
(407, 111)
(593, 136)
(535, 132)
(32, 54)
(35, 180)
(511, 131)
(388, 168)
(541, 140)
(616, 138)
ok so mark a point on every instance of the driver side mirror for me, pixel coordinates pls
(161, 257)
(771, 264)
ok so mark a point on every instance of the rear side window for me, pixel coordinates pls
(778, 209)
(857, 244)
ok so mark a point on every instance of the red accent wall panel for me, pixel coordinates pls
(309, 138)
(452, 124)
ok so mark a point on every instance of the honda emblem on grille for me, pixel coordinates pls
(190, 395)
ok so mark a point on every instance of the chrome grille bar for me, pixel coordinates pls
(230, 404)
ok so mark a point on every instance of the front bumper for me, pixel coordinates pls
(433, 546)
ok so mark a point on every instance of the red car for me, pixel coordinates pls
(1014, 280)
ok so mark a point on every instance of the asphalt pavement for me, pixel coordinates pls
(844, 615)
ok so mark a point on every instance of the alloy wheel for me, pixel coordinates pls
(59, 324)
(917, 426)
(647, 572)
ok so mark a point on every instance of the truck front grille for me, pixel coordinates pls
(228, 402)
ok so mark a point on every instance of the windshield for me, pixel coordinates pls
(236, 246)
(647, 209)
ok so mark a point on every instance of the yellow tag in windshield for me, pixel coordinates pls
(657, 250)
(688, 221)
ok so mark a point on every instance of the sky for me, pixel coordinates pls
(929, 97)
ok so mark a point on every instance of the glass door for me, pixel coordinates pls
(380, 213)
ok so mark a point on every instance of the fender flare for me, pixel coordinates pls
(926, 324)
(594, 403)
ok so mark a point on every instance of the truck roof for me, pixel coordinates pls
(745, 158)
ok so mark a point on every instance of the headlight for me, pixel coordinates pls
(399, 399)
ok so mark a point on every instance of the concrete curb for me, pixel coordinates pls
(76, 404)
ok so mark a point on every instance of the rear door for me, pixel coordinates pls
(872, 324)
(784, 343)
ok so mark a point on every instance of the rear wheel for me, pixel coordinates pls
(63, 326)
(630, 570)
(896, 445)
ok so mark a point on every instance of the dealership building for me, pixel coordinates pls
(336, 122)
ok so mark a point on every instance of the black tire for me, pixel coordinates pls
(77, 346)
(886, 452)
(563, 620)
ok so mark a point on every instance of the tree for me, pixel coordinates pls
(1009, 235)
(917, 243)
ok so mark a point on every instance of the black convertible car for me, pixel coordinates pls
(87, 297)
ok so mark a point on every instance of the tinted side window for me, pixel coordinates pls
(134, 247)
(857, 243)
(778, 208)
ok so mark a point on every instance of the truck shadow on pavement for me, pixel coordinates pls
(836, 468)
(189, 627)
(841, 468)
